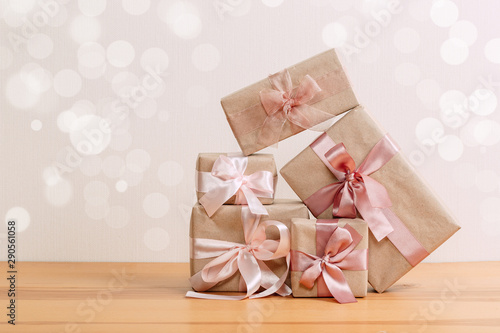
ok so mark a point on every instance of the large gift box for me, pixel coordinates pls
(288, 102)
(356, 167)
(235, 179)
(329, 258)
(227, 237)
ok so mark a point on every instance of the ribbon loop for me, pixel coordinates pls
(249, 259)
(282, 82)
(284, 103)
(228, 178)
(338, 245)
(307, 89)
(227, 168)
(340, 160)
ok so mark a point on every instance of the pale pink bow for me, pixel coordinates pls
(355, 189)
(249, 259)
(339, 254)
(284, 103)
(247, 188)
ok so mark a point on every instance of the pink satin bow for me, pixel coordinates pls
(249, 259)
(284, 103)
(355, 189)
(247, 188)
(339, 254)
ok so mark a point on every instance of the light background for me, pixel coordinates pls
(429, 67)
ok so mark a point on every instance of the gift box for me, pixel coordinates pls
(288, 102)
(328, 254)
(406, 219)
(227, 225)
(235, 179)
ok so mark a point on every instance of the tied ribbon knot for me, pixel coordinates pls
(227, 178)
(283, 103)
(339, 254)
(249, 259)
(355, 188)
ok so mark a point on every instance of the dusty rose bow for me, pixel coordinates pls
(284, 103)
(227, 179)
(355, 189)
(249, 259)
(339, 255)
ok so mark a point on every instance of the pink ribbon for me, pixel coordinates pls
(284, 103)
(249, 259)
(327, 265)
(357, 190)
(227, 179)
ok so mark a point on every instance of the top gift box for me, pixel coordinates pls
(288, 102)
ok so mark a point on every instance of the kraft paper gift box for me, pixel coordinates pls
(226, 225)
(232, 172)
(292, 94)
(311, 237)
(420, 221)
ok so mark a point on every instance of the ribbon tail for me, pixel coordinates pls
(250, 272)
(319, 201)
(193, 294)
(284, 290)
(307, 116)
(337, 284)
(375, 218)
(254, 204)
(377, 193)
(271, 129)
(402, 238)
(272, 283)
(343, 202)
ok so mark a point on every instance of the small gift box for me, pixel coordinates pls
(329, 258)
(356, 167)
(234, 242)
(288, 102)
(235, 180)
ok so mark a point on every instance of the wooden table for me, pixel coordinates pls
(149, 297)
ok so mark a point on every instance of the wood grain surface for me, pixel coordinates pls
(149, 297)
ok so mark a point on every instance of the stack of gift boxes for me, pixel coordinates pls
(375, 217)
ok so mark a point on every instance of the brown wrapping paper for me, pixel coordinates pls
(226, 225)
(412, 200)
(315, 67)
(256, 162)
(304, 239)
